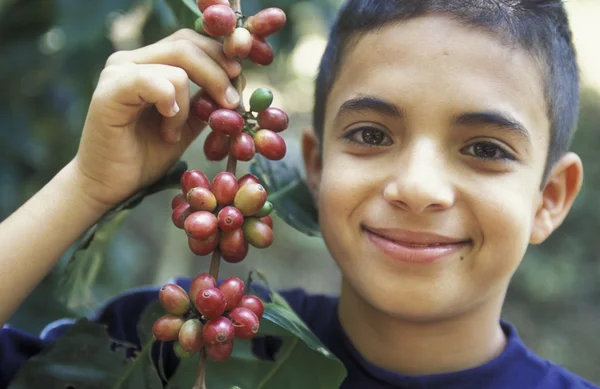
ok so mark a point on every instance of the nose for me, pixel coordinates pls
(420, 180)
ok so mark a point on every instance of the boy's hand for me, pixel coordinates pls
(138, 124)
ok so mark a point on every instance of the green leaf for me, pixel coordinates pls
(82, 359)
(289, 194)
(185, 12)
(75, 286)
(301, 352)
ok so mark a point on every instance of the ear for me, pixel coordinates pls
(313, 165)
(557, 197)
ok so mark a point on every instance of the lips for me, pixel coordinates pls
(414, 239)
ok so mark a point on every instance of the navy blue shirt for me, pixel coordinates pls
(517, 367)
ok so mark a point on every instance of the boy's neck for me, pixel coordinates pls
(417, 348)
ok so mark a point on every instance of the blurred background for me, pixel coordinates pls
(51, 53)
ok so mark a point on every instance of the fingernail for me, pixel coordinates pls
(232, 96)
(174, 108)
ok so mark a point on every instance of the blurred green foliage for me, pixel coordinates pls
(51, 53)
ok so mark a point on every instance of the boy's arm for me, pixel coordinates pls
(39, 232)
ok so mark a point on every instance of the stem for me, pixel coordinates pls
(215, 262)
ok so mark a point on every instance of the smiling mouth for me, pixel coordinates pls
(417, 240)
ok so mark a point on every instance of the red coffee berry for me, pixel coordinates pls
(270, 144)
(230, 219)
(192, 179)
(233, 246)
(257, 233)
(224, 187)
(200, 282)
(262, 52)
(218, 20)
(268, 220)
(218, 330)
(266, 22)
(203, 106)
(273, 119)
(177, 200)
(245, 323)
(242, 147)
(250, 198)
(204, 4)
(233, 289)
(204, 246)
(216, 146)
(202, 199)
(247, 179)
(210, 303)
(219, 352)
(174, 299)
(238, 44)
(254, 304)
(190, 336)
(201, 225)
(167, 327)
(180, 214)
(226, 122)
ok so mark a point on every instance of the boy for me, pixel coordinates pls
(439, 152)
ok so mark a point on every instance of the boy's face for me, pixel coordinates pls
(416, 109)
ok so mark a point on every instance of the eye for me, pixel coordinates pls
(368, 137)
(488, 151)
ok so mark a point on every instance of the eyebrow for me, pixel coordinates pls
(497, 119)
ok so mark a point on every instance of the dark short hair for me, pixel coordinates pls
(541, 27)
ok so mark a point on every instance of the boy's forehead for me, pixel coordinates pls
(469, 67)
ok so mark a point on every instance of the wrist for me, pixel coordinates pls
(80, 188)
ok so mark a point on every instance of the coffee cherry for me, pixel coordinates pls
(174, 299)
(204, 4)
(233, 289)
(245, 323)
(204, 246)
(200, 282)
(218, 20)
(199, 26)
(216, 146)
(226, 122)
(167, 327)
(242, 147)
(247, 179)
(202, 199)
(257, 233)
(238, 44)
(219, 352)
(203, 106)
(225, 187)
(230, 219)
(180, 214)
(233, 246)
(250, 198)
(270, 144)
(273, 119)
(266, 22)
(201, 225)
(180, 352)
(261, 99)
(210, 303)
(218, 330)
(265, 210)
(268, 220)
(190, 336)
(192, 179)
(254, 304)
(262, 52)
(177, 200)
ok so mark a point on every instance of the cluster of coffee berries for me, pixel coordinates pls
(209, 317)
(243, 135)
(241, 40)
(228, 214)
